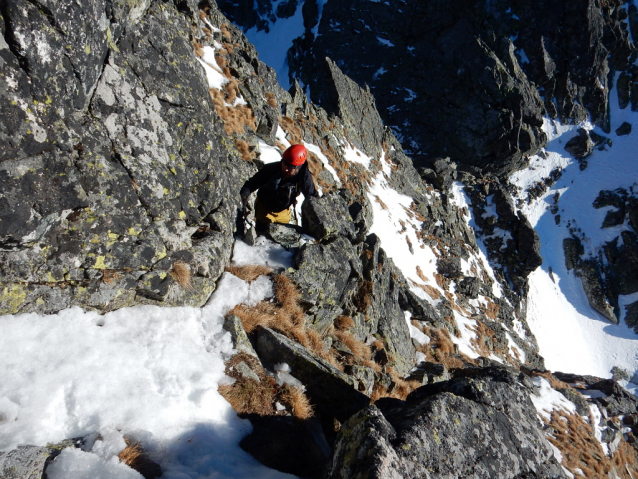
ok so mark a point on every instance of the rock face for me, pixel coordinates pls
(111, 158)
(464, 90)
(481, 425)
(437, 105)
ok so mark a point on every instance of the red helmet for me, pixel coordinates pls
(296, 155)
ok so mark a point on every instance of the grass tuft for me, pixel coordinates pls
(134, 456)
(297, 402)
(249, 272)
(181, 273)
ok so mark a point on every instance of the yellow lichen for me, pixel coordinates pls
(12, 298)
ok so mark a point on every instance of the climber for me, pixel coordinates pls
(278, 185)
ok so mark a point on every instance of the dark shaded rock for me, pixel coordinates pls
(624, 129)
(595, 289)
(600, 141)
(470, 287)
(463, 57)
(420, 309)
(449, 267)
(618, 400)
(288, 445)
(478, 426)
(573, 249)
(580, 146)
(356, 106)
(631, 315)
(331, 391)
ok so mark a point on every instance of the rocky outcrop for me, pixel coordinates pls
(481, 425)
(432, 99)
(113, 164)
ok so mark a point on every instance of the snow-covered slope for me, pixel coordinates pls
(572, 336)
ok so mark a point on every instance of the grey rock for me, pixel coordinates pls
(365, 377)
(26, 462)
(483, 425)
(332, 391)
(116, 113)
(285, 235)
(322, 271)
(327, 217)
(241, 343)
(581, 145)
(245, 371)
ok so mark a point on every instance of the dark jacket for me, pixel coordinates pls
(277, 193)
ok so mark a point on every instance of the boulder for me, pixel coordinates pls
(482, 425)
(580, 146)
(328, 217)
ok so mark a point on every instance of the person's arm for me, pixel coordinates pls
(255, 182)
(308, 186)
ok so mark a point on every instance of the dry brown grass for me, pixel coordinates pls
(553, 380)
(295, 135)
(263, 314)
(198, 47)
(430, 290)
(286, 316)
(244, 149)
(399, 390)
(249, 272)
(181, 274)
(110, 276)
(364, 295)
(581, 451)
(360, 350)
(271, 99)
(246, 395)
(297, 401)
(492, 309)
(483, 339)
(420, 274)
(134, 456)
(441, 348)
(342, 323)
(236, 118)
(225, 32)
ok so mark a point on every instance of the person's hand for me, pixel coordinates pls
(247, 206)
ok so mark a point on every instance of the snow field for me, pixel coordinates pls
(148, 372)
